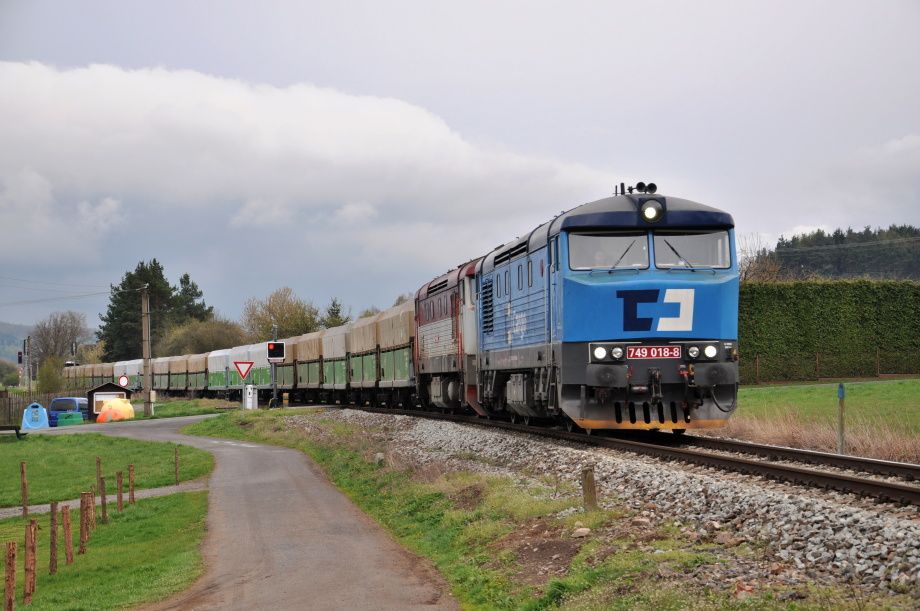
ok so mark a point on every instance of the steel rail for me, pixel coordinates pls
(878, 489)
(841, 461)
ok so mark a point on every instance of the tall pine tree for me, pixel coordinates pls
(187, 304)
(120, 331)
(335, 315)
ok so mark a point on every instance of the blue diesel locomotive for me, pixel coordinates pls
(618, 314)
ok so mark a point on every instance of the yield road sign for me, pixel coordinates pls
(243, 368)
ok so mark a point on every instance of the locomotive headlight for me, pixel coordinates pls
(693, 351)
(617, 352)
(651, 211)
(710, 352)
(600, 353)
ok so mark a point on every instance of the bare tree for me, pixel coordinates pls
(369, 312)
(756, 262)
(90, 354)
(197, 336)
(56, 335)
(293, 315)
(404, 298)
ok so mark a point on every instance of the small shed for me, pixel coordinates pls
(99, 395)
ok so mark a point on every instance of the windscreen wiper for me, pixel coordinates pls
(680, 257)
(614, 266)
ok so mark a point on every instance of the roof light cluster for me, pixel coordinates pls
(640, 187)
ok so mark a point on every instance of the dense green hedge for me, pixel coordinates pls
(833, 328)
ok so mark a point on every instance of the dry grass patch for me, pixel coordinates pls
(873, 439)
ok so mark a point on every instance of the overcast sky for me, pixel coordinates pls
(357, 149)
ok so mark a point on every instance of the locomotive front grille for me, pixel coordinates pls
(649, 412)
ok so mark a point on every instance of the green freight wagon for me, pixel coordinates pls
(178, 375)
(286, 372)
(160, 374)
(396, 336)
(308, 353)
(260, 373)
(133, 370)
(198, 372)
(219, 371)
(336, 347)
(362, 360)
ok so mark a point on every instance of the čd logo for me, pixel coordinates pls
(661, 311)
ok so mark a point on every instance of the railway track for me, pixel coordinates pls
(757, 460)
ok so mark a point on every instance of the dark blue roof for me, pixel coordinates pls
(623, 211)
(619, 211)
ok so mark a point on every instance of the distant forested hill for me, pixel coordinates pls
(11, 337)
(892, 253)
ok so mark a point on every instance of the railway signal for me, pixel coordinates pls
(275, 352)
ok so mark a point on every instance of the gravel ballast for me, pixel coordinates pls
(812, 534)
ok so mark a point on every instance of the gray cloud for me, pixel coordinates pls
(181, 161)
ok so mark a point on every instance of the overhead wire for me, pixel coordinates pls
(68, 297)
(32, 281)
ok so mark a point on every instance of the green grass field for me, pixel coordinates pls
(180, 407)
(147, 553)
(893, 403)
(61, 466)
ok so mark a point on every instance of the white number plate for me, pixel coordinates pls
(653, 352)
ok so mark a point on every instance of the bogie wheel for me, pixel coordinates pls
(526, 420)
(514, 418)
(678, 431)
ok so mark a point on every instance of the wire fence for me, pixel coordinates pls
(801, 366)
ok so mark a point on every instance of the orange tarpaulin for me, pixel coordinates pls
(116, 409)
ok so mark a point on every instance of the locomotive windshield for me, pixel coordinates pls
(622, 250)
(692, 249)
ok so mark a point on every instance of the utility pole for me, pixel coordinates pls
(145, 347)
(29, 364)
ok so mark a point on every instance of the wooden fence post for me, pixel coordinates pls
(118, 482)
(68, 534)
(10, 598)
(28, 588)
(177, 465)
(84, 522)
(878, 363)
(98, 471)
(817, 366)
(91, 524)
(588, 489)
(130, 484)
(757, 369)
(53, 539)
(105, 513)
(24, 482)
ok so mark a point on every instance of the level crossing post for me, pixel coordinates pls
(841, 449)
(274, 370)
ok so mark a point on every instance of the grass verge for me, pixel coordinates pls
(882, 417)
(147, 553)
(180, 407)
(59, 467)
(506, 542)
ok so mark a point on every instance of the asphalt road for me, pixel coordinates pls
(280, 536)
